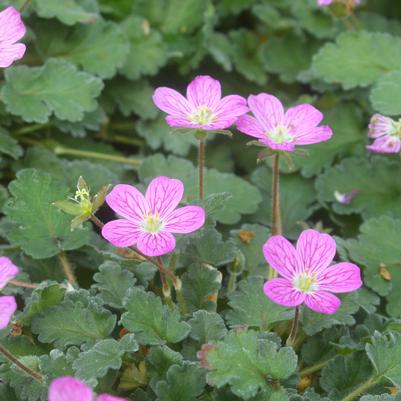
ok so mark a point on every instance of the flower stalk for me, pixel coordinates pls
(201, 166)
(35, 375)
(67, 269)
(294, 329)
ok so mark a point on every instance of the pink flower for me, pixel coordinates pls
(324, 2)
(328, 2)
(203, 108)
(12, 29)
(279, 130)
(387, 134)
(307, 276)
(8, 304)
(346, 198)
(149, 221)
(70, 389)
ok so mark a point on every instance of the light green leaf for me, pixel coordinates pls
(100, 48)
(245, 197)
(98, 360)
(69, 12)
(113, 283)
(183, 383)
(73, 323)
(38, 227)
(386, 94)
(35, 93)
(357, 58)
(8, 145)
(151, 321)
(206, 327)
(246, 363)
(249, 306)
(375, 178)
(385, 354)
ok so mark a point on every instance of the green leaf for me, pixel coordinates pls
(38, 227)
(58, 363)
(8, 145)
(385, 95)
(385, 354)
(73, 323)
(206, 327)
(357, 58)
(200, 287)
(313, 322)
(249, 306)
(377, 182)
(113, 283)
(183, 383)
(245, 197)
(247, 363)
(344, 374)
(147, 52)
(44, 92)
(100, 48)
(151, 321)
(69, 12)
(297, 197)
(103, 356)
(378, 246)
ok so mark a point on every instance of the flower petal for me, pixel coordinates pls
(172, 102)
(231, 107)
(121, 233)
(107, 397)
(8, 306)
(284, 146)
(267, 109)
(204, 91)
(128, 202)
(322, 302)
(385, 144)
(11, 26)
(303, 116)
(342, 277)
(281, 256)
(10, 53)
(315, 135)
(282, 292)
(158, 244)
(163, 195)
(69, 389)
(7, 271)
(316, 250)
(185, 220)
(250, 126)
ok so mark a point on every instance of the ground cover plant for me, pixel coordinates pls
(200, 200)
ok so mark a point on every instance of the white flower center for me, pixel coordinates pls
(152, 223)
(280, 134)
(203, 116)
(306, 282)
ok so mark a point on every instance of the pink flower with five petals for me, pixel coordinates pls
(203, 108)
(149, 221)
(68, 388)
(387, 134)
(281, 130)
(8, 304)
(12, 29)
(307, 277)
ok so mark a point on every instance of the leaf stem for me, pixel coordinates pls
(180, 298)
(67, 269)
(372, 381)
(294, 328)
(35, 375)
(201, 166)
(314, 368)
(22, 284)
(61, 150)
(277, 228)
(31, 128)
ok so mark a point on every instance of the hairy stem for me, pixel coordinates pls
(314, 368)
(35, 375)
(180, 298)
(21, 284)
(294, 328)
(277, 228)
(372, 381)
(61, 150)
(67, 269)
(201, 166)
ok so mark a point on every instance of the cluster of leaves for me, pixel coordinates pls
(79, 104)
